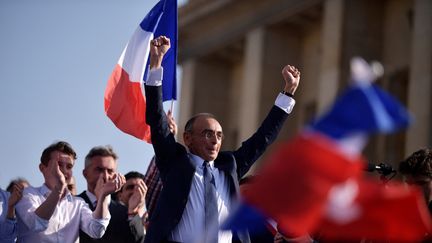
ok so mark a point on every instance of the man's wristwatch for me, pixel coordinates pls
(287, 94)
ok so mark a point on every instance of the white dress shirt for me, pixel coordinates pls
(70, 215)
(191, 226)
(8, 227)
(92, 198)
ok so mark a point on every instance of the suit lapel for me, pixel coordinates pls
(226, 163)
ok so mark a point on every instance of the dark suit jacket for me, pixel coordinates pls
(177, 170)
(119, 228)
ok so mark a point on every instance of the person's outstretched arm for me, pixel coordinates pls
(256, 145)
(163, 140)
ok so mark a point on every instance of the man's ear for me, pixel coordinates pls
(119, 194)
(41, 167)
(84, 172)
(187, 137)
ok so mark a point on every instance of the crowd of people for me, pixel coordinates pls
(187, 193)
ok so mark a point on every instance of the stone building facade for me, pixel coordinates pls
(232, 53)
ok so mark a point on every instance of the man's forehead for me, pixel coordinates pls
(107, 161)
(100, 162)
(207, 123)
(62, 156)
(134, 180)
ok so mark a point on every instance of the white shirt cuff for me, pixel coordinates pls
(155, 77)
(104, 221)
(285, 102)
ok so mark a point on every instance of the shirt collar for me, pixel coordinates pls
(45, 191)
(91, 197)
(198, 161)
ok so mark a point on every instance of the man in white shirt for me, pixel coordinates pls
(50, 213)
(8, 200)
(8, 222)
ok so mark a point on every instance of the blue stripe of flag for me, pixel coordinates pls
(162, 20)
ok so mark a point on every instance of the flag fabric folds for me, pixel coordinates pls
(363, 108)
(294, 193)
(394, 213)
(314, 183)
(124, 98)
(309, 188)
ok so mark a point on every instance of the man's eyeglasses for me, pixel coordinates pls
(209, 134)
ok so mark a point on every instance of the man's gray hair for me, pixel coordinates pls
(103, 151)
(191, 121)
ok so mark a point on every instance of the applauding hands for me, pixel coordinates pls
(107, 185)
(136, 204)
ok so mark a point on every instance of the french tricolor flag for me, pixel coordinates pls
(124, 97)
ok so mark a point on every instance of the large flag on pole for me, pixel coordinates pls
(124, 97)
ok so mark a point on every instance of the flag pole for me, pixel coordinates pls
(172, 106)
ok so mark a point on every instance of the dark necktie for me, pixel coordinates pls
(210, 205)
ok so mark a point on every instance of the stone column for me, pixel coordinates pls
(250, 85)
(419, 90)
(328, 83)
(186, 95)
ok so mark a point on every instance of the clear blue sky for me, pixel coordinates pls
(56, 57)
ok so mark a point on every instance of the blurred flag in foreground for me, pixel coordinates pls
(124, 95)
(367, 209)
(314, 184)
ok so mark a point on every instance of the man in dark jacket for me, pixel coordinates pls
(199, 182)
(100, 165)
